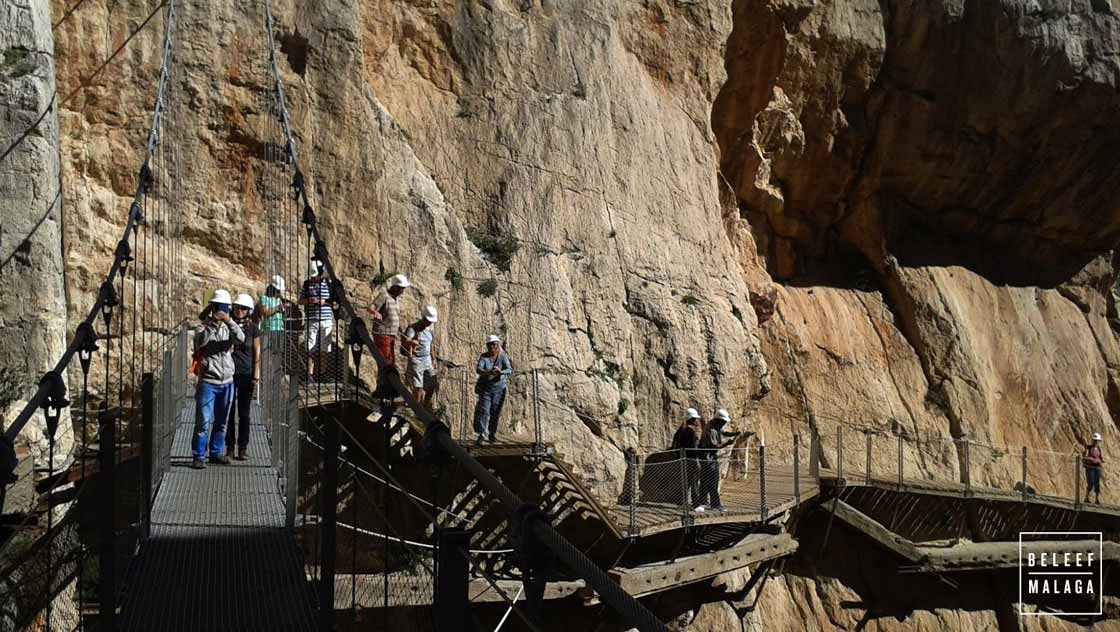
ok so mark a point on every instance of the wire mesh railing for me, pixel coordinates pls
(904, 458)
(689, 485)
(83, 509)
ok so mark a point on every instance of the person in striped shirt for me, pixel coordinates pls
(315, 296)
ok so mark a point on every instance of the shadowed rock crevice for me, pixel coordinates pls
(972, 134)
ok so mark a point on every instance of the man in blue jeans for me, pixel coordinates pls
(493, 370)
(213, 347)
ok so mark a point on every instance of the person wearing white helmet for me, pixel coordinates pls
(271, 305)
(315, 296)
(246, 375)
(493, 369)
(416, 344)
(1093, 458)
(213, 346)
(386, 316)
(711, 441)
(686, 440)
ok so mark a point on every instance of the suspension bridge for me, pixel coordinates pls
(359, 506)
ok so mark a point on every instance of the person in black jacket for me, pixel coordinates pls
(246, 375)
(686, 440)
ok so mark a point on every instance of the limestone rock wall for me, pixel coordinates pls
(809, 212)
(33, 310)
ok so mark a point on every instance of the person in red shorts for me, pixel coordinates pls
(386, 316)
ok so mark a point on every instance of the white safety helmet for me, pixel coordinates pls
(492, 338)
(278, 283)
(244, 300)
(220, 296)
(313, 268)
(692, 413)
(723, 414)
(1096, 436)
(430, 314)
(399, 280)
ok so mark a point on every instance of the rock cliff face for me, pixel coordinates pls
(808, 212)
(32, 314)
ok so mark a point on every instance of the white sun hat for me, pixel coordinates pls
(492, 338)
(220, 296)
(278, 283)
(692, 413)
(399, 280)
(723, 414)
(430, 314)
(244, 300)
(1096, 436)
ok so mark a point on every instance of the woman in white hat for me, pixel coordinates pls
(1093, 459)
(246, 375)
(271, 306)
(493, 370)
(417, 347)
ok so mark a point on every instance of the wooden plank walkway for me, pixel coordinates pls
(742, 500)
(960, 490)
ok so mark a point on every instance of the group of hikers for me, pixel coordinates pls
(227, 358)
(701, 449)
(227, 344)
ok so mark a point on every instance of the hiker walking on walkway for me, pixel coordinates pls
(711, 441)
(316, 298)
(246, 375)
(386, 316)
(417, 347)
(685, 441)
(213, 346)
(493, 370)
(271, 306)
(1093, 458)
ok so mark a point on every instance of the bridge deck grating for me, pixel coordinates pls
(219, 556)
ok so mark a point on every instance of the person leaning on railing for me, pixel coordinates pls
(711, 441)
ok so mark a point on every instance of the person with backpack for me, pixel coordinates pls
(246, 376)
(1093, 458)
(315, 296)
(685, 441)
(711, 441)
(214, 338)
(493, 369)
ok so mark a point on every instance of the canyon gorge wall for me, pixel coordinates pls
(812, 213)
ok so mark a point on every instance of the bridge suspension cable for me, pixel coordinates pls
(135, 323)
(532, 529)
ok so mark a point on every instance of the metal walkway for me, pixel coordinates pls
(219, 556)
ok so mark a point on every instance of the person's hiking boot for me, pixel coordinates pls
(478, 442)
(1098, 500)
(719, 509)
(699, 508)
(493, 439)
(221, 459)
(241, 454)
(198, 464)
